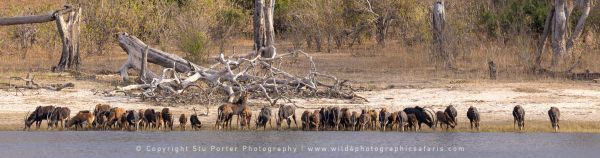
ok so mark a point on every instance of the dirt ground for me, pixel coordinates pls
(384, 86)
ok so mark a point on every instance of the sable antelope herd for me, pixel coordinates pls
(106, 117)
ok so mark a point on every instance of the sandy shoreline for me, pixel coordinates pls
(577, 101)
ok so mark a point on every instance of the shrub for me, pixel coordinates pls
(195, 45)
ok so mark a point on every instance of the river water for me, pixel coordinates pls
(261, 144)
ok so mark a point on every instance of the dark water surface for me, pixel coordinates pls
(260, 144)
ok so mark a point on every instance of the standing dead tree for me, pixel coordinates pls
(555, 26)
(439, 24)
(67, 22)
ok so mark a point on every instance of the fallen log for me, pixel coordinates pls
(233, 75)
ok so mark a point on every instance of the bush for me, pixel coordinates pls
(195, 45)
(513, 17)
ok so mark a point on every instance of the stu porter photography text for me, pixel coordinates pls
(296, 149)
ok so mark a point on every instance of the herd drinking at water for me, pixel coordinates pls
(105, 117)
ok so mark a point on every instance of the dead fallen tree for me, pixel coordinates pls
(247, 73)
(31, 84)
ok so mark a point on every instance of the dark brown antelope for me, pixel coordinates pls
(40, 113)
(167, 118)
(413, 121)
(444, 119)
(132, 118)
(263, 118)
(182, 122)
(60, 114)
(101, 108)
(383, 118)
(519, 117)
(305, 118)
(149, 118)
(451, 111)
(473, 116)
(554, 115)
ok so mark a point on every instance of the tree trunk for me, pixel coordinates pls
(543, 39)
(68, 30)
(258, 25)
(439, 24)
(559, 33)
(269, 50)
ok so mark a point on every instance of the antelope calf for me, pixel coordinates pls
(182, 122)
(246, 117)
(315, 120)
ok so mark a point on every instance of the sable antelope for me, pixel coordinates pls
(402, 120)
(345, 118)
(324, 115)
(150, 118)
(335, 117)
(224, 117)
(373, 123)
(195, 121)
(101, 120)
(60, 114)
(142, 113)
(159, 120)
(315, 120)
(519, 117)
(444, 119)
(392, 120)
(451, 111)
(286, 112)
(115, 117)
(305, 120)
(237, 106)
(40, 113)
(554, 115)
(354, 120)
(473, 116)
(133, 119)
(167, 118)
(182, 121)
(424, 115)
(246, 117)
(413, 121)
(82, 119)
(263, 117)
(383, 118)
(364, 120)
(100, 108)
